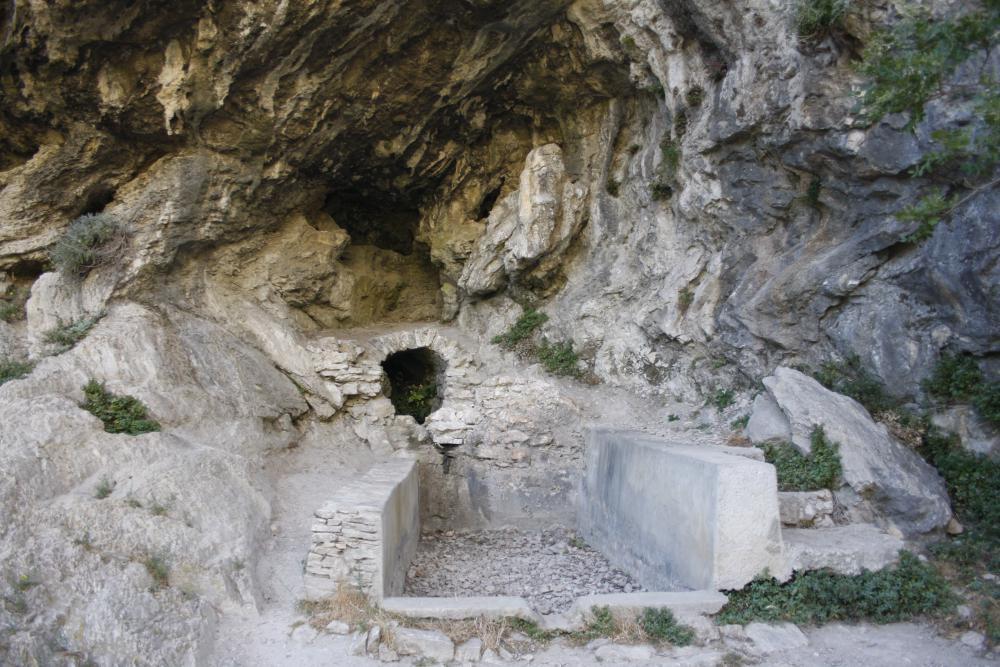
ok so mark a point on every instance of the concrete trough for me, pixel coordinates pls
(670, 513)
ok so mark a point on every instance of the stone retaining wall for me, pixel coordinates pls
(367, 534)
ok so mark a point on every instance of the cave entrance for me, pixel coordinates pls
(415, 381)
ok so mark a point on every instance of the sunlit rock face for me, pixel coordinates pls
(683, 187)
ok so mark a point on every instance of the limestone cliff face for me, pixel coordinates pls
(683, 187)
(471, 145)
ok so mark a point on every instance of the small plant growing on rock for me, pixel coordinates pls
(680, 123)
(601, 623)
(120, 414)
(526, 325)
(671, 156)
(722, 399)
(12, 307)
(104, 489)
(418, 401)
(661, 191)
(821, 469)
(815, 19)
(92, 240)
(613, 186)
(157, 568)
(851, 379)
(65, 336)
(695, 96)
(660, 624)
(559, 358)
(12, 369)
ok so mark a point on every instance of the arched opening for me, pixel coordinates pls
(415, 379)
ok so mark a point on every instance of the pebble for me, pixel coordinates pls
(547, 567)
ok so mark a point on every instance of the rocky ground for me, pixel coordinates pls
(550, 568)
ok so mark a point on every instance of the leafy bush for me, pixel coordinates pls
(661, 624)
(957, 378)
(851, 379)
(973, 480)
(11, 369)
(821, 469)
(65, 336)
(909, 589)
(90, 241)
(559, 358)
(909, 63)
(120, 414)
(526, 325)
(815, 19)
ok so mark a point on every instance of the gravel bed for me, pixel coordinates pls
(548, 567)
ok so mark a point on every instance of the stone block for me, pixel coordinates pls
(674, 514)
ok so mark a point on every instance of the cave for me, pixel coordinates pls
(414, 381)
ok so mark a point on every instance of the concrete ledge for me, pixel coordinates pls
(843, 549)
(460, 608)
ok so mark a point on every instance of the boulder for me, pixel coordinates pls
(884, 480)
(806, 509)
(768, 638)
(426, 643)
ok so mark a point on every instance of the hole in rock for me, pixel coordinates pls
(488, 201)
(375, 219)
(97, 199)
(415, 381)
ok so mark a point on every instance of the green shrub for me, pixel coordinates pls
(65, 336)
(957, 378)
(559, 358)
(11, 369)
(909, 63)
(120, 414)
(851, 379)
(815, 19)
(521, 330)
(973, 480)
(821, 469)
(90, 241)
(909, 589)
(722, 399)
(661, 624)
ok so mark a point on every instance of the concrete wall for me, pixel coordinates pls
(367, 534)
(672, 514)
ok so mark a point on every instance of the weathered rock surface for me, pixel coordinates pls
(881, 475)
(844, 549)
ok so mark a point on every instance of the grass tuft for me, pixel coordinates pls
(12, 369)
(660, 624)
(525, 326)
(92, 240)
